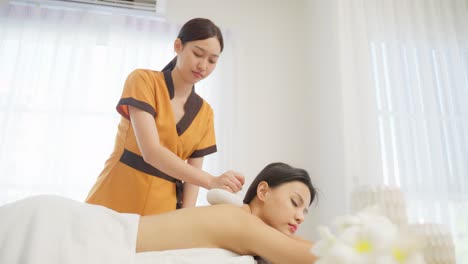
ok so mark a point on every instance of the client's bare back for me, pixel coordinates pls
(198, 227)
(220, 226)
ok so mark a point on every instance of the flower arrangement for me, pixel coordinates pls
(367, 237)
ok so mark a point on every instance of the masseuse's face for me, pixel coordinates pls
(285, 206)
(197, 59)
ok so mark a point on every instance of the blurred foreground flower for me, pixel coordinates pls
(367, 237)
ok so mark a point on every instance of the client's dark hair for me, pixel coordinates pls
(279, 173)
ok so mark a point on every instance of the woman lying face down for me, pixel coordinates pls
(56, 230)
(274, 207)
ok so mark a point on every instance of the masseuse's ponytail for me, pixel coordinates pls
(171, 65)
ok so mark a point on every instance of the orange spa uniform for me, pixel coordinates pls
(128, 184)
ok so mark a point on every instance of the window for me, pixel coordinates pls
(61, 77)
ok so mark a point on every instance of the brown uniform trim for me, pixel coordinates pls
(191, 107)
(179, 192)
(136, 103)
(203, 152)
(136, 162)
(169, 83)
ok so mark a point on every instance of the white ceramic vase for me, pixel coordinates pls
(389, 199)
(439, 247)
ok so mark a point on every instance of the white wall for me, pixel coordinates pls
(327, 119)
(269, 41)
(288, 109)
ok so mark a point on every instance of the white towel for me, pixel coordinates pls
(55, 230)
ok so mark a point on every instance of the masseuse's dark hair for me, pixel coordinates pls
(279, 173)
(197, 29)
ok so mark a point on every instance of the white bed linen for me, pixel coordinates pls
(193, 256)
(56, 230)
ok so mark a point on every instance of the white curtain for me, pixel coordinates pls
(61, 75)
(404, 69)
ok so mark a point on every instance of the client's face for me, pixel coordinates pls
(285, 206)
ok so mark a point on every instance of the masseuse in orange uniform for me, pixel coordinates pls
(165, 131)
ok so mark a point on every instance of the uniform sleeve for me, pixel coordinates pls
(139, 91)
(207, 144)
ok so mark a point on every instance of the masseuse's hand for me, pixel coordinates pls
(230, 181)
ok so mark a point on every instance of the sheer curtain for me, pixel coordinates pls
(404, 67)
(61, 76)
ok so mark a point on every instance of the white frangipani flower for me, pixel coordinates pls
(405, 249)
(366, 238)
(327, 241)
(415, 258)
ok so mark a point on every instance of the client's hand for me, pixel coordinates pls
(230, 181)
